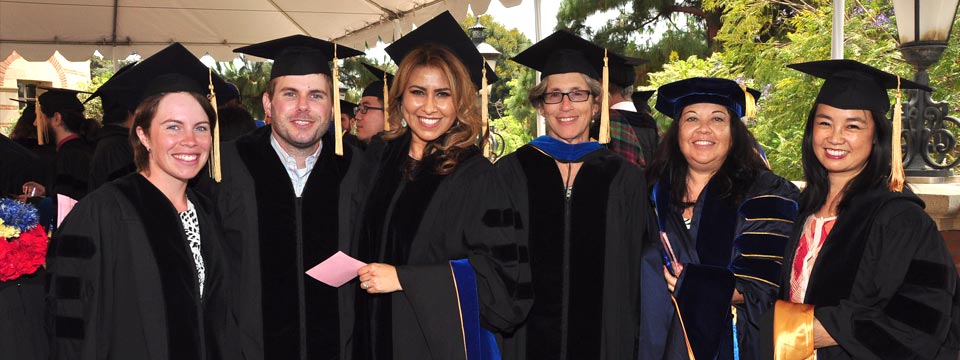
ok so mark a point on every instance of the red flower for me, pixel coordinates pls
(23, 255)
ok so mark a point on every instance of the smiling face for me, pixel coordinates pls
(704, 136)
(842, 140)
(178, 138)
(300, 111)
(427, 106)
(569, 121)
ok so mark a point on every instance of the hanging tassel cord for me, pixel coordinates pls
(897, 175)
(215, 170)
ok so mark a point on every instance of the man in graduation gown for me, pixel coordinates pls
(286, 207)
(61, 113)
(113, 156)
(371, 115)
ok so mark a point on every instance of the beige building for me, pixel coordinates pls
(19, 78)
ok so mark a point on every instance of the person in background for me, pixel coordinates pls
(113, 156)
(370, 113)
(583, 214)
(287, 205)
(866, 274)
(61, 114)
(633, 134)
(138, 267)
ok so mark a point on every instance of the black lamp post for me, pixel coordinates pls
(930, 149)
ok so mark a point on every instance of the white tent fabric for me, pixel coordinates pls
(117, 28)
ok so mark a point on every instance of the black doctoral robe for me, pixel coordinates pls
(884, 285)
(729, 245)
(420, 225)
(584, 254)
(124, 284)
(113, 156)
(273, 237)
(71, 169)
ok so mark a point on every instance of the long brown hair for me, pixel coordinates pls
(465, 131)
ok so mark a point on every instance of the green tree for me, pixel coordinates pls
(252, 79)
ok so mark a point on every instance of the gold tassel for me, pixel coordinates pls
(41, 124)
(215, 156)
(605, 103)
(386, 103)
(484, 113)
(750, 104)
(897, 176)
(338, 136)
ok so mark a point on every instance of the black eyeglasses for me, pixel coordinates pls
(556, 97)
(362, 109)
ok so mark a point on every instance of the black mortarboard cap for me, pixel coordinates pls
(111, 96)
(376, 88)
(298, 55)
(853, 85)
(445, 31)
(60, 100)
(173, 69)
(673, 97)
(347, 107)
(563, 52)
(622, 72)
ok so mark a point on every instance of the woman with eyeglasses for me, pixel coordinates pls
(583, 212)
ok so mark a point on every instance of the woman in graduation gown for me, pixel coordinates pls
(137, 270)
(867, 274)
(724, 217)
(434, 199)
(584, 215)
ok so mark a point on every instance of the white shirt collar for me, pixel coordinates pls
(624, 105)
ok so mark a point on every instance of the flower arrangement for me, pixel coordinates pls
(23, 242)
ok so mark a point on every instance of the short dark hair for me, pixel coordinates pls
(143, 118)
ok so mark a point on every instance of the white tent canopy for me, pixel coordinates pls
(117, 28)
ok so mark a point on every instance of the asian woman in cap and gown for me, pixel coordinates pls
(866, 275)
(438, 233)
(723, 218)
(583, 212)
(137, 268)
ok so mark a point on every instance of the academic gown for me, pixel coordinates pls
(274, 237)
(420, 225)
(124, 284)
(112, 157)
(728, 246)
(71, 169)
(584, 250)
(884, 284)
(17, 166)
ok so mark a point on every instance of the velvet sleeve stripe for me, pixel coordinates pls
(72, 246)
(68, 327)
(768, 282)
(66, 287)
(769, 206)
(879, 341)
(927, 274)
(757, 245)
(915, 314)
(502, 218)
(769, 219)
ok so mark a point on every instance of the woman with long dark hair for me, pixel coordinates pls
(866, 273)
(723, 216)
(434, 214)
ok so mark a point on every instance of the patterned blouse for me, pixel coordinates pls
(191, 227)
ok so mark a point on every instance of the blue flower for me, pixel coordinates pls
(21, 216)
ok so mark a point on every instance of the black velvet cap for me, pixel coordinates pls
(347, 107)
(673, 97)
(445, 31)
(60, 100)
(852, 85)
(563, 52)
(376, 88)
(298, 55)
(111, 96)
(173, 69)
(642, 96)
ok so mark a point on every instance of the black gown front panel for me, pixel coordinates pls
(295, 234)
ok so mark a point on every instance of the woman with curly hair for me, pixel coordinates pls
(433, 216)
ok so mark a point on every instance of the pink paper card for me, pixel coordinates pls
(336, 270)
(64, 205)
